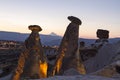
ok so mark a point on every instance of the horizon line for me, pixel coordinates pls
(56, 34)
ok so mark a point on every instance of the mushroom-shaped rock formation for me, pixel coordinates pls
(32, 62)
(67, 58)
(102, 34)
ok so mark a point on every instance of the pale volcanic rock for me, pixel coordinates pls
(77, 77)
(71, 72)
(105, 61)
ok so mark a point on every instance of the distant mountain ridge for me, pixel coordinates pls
(15, 36)
(53, 34)
(50, 40)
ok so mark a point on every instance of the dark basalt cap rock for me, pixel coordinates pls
(35, 28)
(102, 34)
(75, 20)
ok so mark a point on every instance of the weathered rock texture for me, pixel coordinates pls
(106, 55)
(77, 77)
(66, 58)
(32, 62)
(102, 34)
(87, 53)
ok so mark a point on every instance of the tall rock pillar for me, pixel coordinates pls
(68, 48)
(32, 62)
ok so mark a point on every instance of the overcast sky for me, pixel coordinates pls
(51, 15)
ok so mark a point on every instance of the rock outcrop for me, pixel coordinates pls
(103, 35)
(67, 52)
(87, 53)
(106, 55)
(32, 62)
(78, 77)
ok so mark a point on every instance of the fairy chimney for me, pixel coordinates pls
(66, 58)
(32, 62)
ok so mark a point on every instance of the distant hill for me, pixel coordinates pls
(114, 40)
(12, 36)
(22, 36)
(53, 34)
(51, 39)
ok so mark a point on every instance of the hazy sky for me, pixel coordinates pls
(51, 15)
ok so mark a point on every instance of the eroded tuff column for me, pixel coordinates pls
(66, 58)
(32, 62)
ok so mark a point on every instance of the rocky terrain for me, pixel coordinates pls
(99, 60)
(76, 77)
(100, 67)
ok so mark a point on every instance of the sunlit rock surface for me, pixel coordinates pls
(67, 58)
(32, 62)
